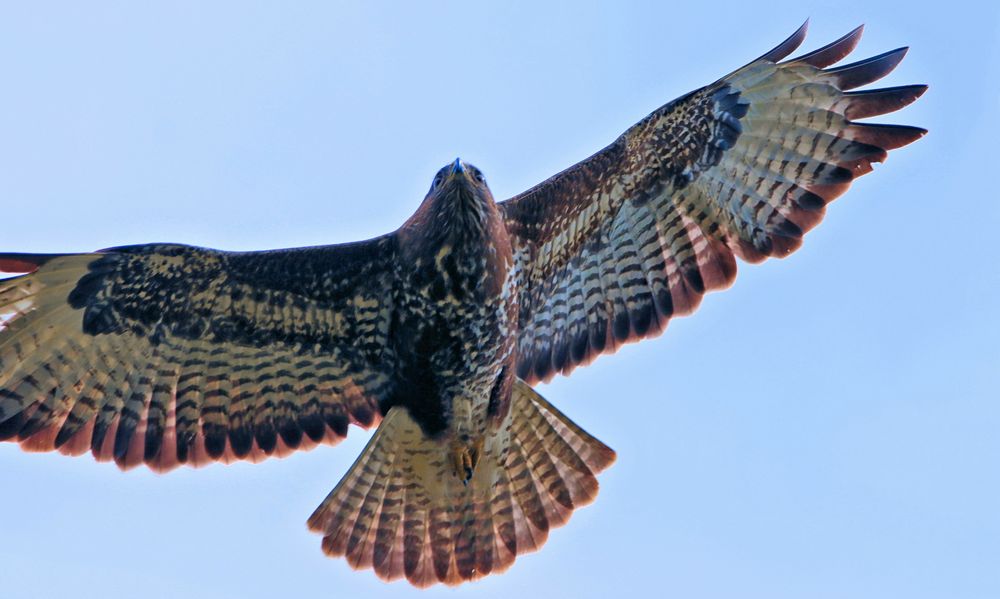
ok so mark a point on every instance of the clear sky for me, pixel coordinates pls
(827, 428)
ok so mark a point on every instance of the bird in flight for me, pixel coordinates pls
(166, 355)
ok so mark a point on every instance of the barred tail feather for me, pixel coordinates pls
(401, 510)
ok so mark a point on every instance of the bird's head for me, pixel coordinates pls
(459, 202)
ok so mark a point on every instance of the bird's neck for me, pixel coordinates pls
(461, 223)
(470, 246)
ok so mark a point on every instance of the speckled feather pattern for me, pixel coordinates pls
(167, 354)
(615, 246)
(185, 355)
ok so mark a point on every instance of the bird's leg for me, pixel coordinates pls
(464, 457)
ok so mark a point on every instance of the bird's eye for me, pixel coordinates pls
(478, 175)
(437, 181)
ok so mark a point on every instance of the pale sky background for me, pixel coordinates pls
(827, 428)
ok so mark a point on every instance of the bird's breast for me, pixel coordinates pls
(455, 334)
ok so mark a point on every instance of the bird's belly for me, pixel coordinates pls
(468, 370)
(454, 349)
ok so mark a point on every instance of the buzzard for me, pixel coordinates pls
(166, 355)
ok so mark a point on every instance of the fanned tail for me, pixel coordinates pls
(401, 510)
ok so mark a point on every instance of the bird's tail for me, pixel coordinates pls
(402, 510)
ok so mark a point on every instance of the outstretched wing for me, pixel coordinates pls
(612, 247)
(170, 354)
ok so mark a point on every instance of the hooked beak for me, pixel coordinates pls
(458, 176)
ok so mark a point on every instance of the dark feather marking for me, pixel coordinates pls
(12, 421)
(866, 71)
(336, 419)
(874, 102)
(834, 51)
(788, 46)
(311, 420)
(290, 433)
(215, 440)
(156, 420)
(580, 344)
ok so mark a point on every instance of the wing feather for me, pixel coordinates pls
(169, 355)
(640, 231)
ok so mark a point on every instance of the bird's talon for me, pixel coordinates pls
(464, 459)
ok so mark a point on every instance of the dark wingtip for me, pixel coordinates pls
(788, 46)
(888, 137)
(866, 71)
(874, 102)
(833, 52)
(915, 134)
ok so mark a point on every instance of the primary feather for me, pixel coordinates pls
(615, 246)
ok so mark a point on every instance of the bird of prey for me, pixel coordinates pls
(166, 355)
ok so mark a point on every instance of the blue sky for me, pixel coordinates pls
(825, 428)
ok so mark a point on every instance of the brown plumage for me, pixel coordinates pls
(166, 354)
(616, 245)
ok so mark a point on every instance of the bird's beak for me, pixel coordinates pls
(458, 175)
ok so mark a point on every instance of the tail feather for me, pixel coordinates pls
(530, 521)
(402, 512)
(504, 518)
(416, 566)
(442, 542)
(388, 550)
